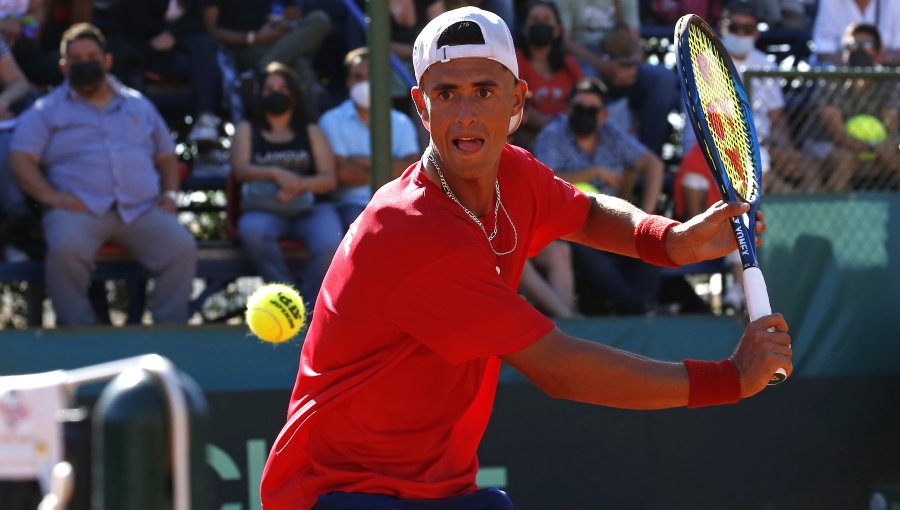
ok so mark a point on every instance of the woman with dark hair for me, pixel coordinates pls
(285, 162)
(544, 65)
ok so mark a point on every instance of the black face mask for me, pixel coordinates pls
(583, 120)
(860, 58)
(85, 75)
(276, 103)
(540, 35)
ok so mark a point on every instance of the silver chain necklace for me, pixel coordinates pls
(497, 206)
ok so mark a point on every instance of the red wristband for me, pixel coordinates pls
(713, 382)
(650, 240)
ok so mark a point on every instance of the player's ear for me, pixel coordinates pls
(520, 94)
(419, 101)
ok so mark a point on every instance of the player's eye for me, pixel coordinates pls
(484, 93)
(445, 95)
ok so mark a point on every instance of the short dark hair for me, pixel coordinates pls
(81, 31)
(460, 33)
(590, 86)
(354, 56)
(863, 28)
(742, 7)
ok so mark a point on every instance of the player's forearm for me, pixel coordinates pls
(594, 373)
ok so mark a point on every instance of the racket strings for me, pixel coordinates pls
(724, 115)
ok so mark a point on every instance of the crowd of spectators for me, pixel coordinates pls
(86, 154)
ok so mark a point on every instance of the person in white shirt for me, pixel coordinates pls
(834, 16)
(346, 127)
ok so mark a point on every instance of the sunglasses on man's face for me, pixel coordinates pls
(860, 45)
(742, 28)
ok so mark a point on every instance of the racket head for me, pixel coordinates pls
(722, 119)
(719, 108)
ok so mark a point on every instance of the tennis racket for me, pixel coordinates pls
(720, 114)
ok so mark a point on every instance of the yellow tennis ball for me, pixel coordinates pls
(587, 187)
(866, 128)
(275, 312)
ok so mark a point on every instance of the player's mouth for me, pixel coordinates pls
(468, 144)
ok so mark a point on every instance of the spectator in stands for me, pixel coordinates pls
(12, 202)
(408, 17)
(24, 24)
(168, 44)
(548, 281)
(859, 122)
(261, 31)
(543, 63)
(287, 166)
(585, 148)
(604, 35)
(834, 16)
(347, 129)
(506, 9)
(100, 159)
(667, 12)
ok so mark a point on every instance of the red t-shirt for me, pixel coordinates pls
(549, 97)
(693, 163)
(399, 367)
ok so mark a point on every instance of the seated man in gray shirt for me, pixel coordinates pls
(98, 157)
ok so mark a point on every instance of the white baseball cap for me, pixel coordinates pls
(498, 45)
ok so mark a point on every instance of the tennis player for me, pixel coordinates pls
(419, 307)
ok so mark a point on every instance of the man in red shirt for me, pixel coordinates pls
(419, 307)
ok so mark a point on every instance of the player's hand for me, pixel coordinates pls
(709, 235)
(761, 352)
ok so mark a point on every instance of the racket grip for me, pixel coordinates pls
(756, 293)
(758, 306)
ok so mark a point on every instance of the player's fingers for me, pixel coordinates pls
(779, 341)
(730, 209)
(775, 321)
(780, 360)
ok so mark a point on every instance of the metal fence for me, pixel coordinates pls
(832, 130)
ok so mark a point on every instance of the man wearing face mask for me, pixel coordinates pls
(346, 127)
(99, 158)
(585, 148)
(545, 66)
(785, 168)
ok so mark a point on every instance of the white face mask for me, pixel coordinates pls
(359, 94)
(738, 45)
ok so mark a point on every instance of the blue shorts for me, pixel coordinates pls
(485, 499)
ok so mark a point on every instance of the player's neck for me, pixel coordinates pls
(475, 194)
